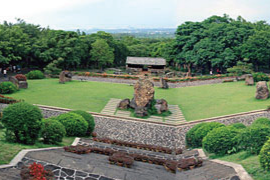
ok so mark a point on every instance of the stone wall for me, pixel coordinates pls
(157, 84)
(139, 131)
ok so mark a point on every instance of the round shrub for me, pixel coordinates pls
(21, 77)
(75, 124)
(201, 132)
(89, 118)
(52, 131)
(7, 88)
(259, 76)
(237, 125)
(23, 120)
(190, 136)
(36, 74)
(261, 121)
(221, 140)
(264, 156)
(253, 138)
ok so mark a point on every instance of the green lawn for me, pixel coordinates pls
(9, 150)
(196, 102)
(250, 163)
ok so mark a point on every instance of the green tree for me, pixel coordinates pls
(101, 53)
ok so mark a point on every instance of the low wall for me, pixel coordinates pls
(171, 85)
(140, 131)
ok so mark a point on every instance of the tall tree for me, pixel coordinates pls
(101, 53)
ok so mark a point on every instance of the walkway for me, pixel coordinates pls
(110, 107)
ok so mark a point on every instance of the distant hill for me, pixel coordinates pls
(140, 33)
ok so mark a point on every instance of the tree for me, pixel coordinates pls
(101, 53)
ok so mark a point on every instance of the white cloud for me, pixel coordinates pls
(196, 10)
(25, 9)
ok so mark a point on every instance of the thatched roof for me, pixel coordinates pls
(146, 61)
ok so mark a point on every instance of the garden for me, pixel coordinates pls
(206, 101)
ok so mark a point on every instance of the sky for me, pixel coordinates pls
(86, 14)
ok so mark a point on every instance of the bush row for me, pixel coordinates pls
(220, 139)
(24, 123)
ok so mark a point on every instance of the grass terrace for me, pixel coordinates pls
(196, 102)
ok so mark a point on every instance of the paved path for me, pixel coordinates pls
(110, 107)
(176, 116)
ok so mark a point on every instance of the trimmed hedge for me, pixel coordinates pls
(221, 141)
(262, 121)
(190, 136)
(23, 121)
(264, 156)
(7, 88)
(237, 125)
(75, 124)
(253, 138)
(89, 118)
(52, 131)
(259, 76)
(201, 132)
(36, 74)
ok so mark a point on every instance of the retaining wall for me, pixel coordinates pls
(140, 131)
(171, 85)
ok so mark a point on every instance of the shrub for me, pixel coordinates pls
(75, 124)
(52, 131)
(201, 132)
(7, 88)
(253, 138)
(90, 120)
(262, 121)
(264, 156)
(259, 76)
(36, 74)
(20, 77)
(237, 126)
(221, 141)
(23, 120)
(190, 136)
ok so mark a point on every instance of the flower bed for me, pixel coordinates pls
(138, 145)
(78, 149)
(7, 100)
(171, 80)
(36, 172)
(21, 77)
(121, 159)
(126, 159)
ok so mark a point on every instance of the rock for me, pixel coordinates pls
(141, 111)
(170, 75)
(14, 81)
(124, 104)
(262, 91)
(143, 95)
(249, 80)
(62, 77)
(65, 76)
(161, 105)
(164, 84)
(23, 84)
(133, 104)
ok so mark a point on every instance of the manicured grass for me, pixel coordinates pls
(9, 150)
(250, 163)
(196, 102)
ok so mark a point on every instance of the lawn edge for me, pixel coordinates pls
(23, 152)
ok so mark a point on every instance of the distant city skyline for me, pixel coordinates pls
(118, 14)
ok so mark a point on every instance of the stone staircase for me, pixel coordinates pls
(110, 107)
(176, 116)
